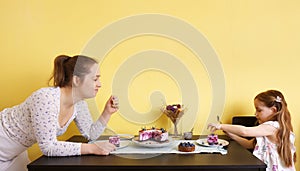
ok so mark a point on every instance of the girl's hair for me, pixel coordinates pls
(275, 98)
(65, 67)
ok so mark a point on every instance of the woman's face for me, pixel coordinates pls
(263, 113)
(90, 84)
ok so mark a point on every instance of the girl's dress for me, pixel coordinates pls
(266, 151)
(36, 121)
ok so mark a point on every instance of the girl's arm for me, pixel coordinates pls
(256, 131)
(248, 144)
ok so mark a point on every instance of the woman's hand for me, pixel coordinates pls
(104, 148)
(111, 106)
(98, 148)
(213, 127)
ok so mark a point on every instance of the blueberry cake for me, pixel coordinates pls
(212, 139)
(114, 140)
(153, 134)
(186, 147)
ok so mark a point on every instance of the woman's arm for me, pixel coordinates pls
(89, 129)
(44, 107)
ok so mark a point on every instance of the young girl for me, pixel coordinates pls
(274, 142)
(48, 112)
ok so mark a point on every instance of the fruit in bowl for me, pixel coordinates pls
(174, 111)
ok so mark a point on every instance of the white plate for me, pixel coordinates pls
(125, 136)
(204, 142)
(123, 143)
(152, 143)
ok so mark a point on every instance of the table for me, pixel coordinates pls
(237, 158)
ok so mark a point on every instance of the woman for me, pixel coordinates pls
(48, 112)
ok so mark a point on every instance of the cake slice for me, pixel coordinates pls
(114, 140)
(155, 134)
(212, 139)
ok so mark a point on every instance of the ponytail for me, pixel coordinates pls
(65, 67)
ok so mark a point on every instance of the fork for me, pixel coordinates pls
(218, 119)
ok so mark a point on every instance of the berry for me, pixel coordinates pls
(169, 107)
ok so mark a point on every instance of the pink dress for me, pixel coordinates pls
(266, 151)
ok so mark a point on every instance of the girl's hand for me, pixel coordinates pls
(103, 148)
(213, 127)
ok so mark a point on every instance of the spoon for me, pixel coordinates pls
(218, 119)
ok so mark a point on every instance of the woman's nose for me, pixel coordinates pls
(98, 84)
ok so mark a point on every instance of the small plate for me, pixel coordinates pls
(203, 142)
(123, 143)
(152, 143)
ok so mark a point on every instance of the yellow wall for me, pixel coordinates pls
(256, 41)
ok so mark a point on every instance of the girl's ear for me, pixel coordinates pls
(76, 81)
(274, 109)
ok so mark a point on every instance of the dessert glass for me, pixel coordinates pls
(174, 114)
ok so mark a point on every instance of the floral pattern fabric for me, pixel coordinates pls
(36, 120)
(266, 151)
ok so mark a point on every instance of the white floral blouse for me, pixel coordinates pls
(266, 151)
(36, 120)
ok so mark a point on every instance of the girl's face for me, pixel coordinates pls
(90, 84)
(263, 113)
